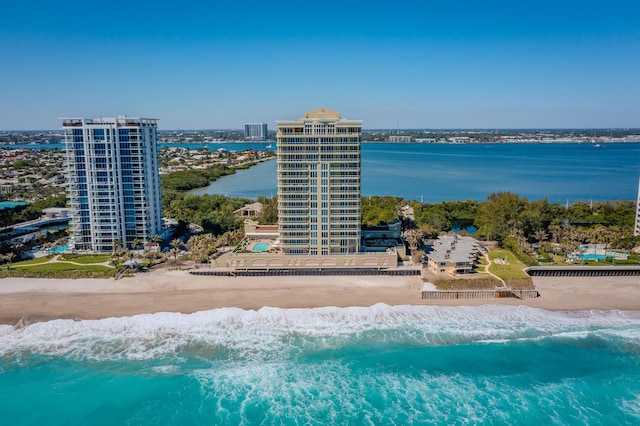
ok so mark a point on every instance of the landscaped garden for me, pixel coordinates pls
(62, 266)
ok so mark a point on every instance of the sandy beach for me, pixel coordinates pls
(28, 300)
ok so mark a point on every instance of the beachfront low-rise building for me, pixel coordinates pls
(255, 231)
(56, 212)
(453, 255)
(248, 210)
(381, 237)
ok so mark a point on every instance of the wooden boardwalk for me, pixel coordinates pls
(480, 294)
(305, 271)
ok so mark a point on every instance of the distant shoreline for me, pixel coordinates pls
(519, 142)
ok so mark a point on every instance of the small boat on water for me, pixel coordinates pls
(269, 146)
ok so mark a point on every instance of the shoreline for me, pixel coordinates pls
(27, 300)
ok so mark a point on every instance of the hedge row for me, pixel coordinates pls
(512, 245)
(69, 274)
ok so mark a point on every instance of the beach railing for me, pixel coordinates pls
(584, 271)
(306, 271)
(505, 293)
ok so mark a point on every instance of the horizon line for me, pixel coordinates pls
(382, 128)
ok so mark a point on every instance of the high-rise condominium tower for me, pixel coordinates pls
(114, 186)
(256, 132)
(319, 184)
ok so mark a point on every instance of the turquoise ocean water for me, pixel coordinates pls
(374, 365)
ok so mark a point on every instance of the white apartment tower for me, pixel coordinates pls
(319, 184)
(636, 229)
(256, 132)
(114, 186)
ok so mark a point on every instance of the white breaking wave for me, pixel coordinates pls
(274, 332)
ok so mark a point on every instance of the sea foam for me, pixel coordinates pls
(276, 333)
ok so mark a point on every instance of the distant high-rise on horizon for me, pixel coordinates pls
(114, 185)
(319, 184)
(256, 132)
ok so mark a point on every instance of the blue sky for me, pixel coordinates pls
(416, 64)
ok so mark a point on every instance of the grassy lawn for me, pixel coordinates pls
(513, 269)
(100, 258)
(67, 267)
(83, 268)
(31, 261)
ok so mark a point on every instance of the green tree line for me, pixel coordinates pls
(190, 179)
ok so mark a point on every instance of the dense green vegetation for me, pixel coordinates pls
(506, 214)
(269, 213)
(190, 179)
(213, 213)
(446, 215)
(378, 210)
(513, 221)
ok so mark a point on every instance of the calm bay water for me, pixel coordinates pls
(376, 365)
(438, 172)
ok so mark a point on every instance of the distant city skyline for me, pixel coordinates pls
(416, 65)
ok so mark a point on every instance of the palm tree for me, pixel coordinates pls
(117, 245)
(7, 258)
(17, 249)
(412, 239)
(156, 239)
(417, 256)
(540, 236)
(175, 243)
(556, 233)
(174, 252)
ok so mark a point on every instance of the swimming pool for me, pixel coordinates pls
(11, 204)
(59, 249)
(258, 247)
(591, 256)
